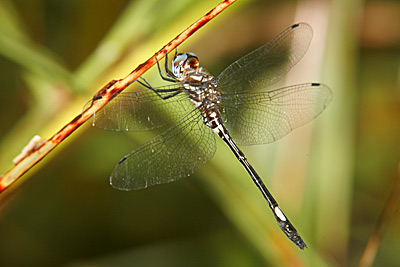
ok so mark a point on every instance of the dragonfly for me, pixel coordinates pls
(236, 106)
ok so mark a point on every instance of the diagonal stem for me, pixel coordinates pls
(103, 96)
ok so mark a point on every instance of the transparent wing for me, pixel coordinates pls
(267, 64)
(175, 154)
(261, 118)
(143, 110)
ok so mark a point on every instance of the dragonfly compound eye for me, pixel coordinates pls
(184, 62)
(192, 61)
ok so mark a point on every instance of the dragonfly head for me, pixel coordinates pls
(184, 62)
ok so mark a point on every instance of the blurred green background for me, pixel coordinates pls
(332, 177)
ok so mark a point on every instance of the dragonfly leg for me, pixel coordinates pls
(171, 77)
(146, 84)
(167, 70)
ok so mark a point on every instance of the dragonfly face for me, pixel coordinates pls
(184, 62)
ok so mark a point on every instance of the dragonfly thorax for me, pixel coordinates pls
(201, 87)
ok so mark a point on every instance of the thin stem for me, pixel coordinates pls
(371, 249)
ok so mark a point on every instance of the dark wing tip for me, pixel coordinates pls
(122, 160)
(295, 25)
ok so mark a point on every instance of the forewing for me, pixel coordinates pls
(175, 154)
(267, 64)
(260, 118)
(140, 111)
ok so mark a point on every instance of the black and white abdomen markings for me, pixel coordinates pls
(202, 90)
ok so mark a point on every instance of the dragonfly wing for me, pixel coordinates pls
(261, 118)
(175, 154)
(267, 64)
(142, 110)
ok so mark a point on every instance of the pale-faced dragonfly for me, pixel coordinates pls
(198, 105)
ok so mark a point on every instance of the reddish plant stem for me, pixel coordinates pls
(107, 93)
